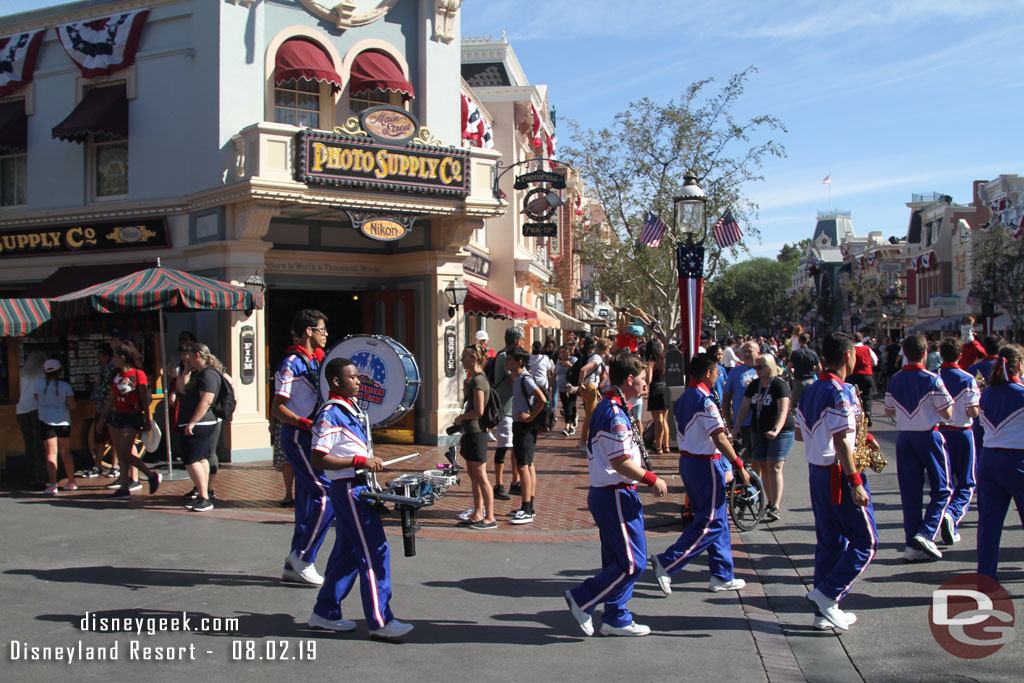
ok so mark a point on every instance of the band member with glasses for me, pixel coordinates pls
(296, 398)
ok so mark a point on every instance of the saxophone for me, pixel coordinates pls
(866, 454)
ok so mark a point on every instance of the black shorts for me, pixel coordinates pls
(131, 421)
(659, 397)
(54, 431)
(473, 447)
(196, 447)
(524, 443)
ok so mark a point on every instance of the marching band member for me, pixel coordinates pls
(982, 369)
(959, 436)
(615, 463)
(341, 445)
(844, 518)
(1001, 465)
(703, 441)
(919, 401)
(295, 400)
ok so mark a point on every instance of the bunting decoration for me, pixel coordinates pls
(690, 262)
(552, 146)
(871, 258)
(474, 126)
(579, 205)
(536, 126)
(18, 60)
(103, 46)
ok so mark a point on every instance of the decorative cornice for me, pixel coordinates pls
(444, 19)
(343, 14)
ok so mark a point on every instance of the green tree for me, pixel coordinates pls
(637, 165)
(998, 278)
(751, 295)
(793, 252)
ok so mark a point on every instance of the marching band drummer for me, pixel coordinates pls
(1001, 465)
(844, 519)
(341, 445)
(959, 436)
(615, 463)
(295, 399)
(703, 441)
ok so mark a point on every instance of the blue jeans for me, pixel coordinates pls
(772, 450)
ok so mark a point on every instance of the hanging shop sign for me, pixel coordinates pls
(382, 227)
(540, 229)
(247, 345)
(345, 160)
(477, 264)
(451, 351)
(944, 301)
(105, 236)
(389, 124)
(555, 180)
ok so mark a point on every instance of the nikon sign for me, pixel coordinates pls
(350, 161)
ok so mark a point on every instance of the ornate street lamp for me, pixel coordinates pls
(690, 208)
(456, 292)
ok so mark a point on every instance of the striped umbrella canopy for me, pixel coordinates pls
(19, 317)
(153, 289)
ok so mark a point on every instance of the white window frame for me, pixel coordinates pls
(328, 97)
(94, 147)
(15, 155)
(326, 105)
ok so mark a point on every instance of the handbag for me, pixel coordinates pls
(545, 420)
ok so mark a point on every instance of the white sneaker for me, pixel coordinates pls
(717, 585)
(912, 555)
(956, 537)
(633, 629)
(823, 624)
(299, 571)
(393, 629)
(581, 617)
(828, 609)
(317, 621)
(927, 545)
(664, 580)
(521, 517)
(947, 529)
(492, 437)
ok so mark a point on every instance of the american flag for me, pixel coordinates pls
(727, 230)
(690, 260)
(652, 230)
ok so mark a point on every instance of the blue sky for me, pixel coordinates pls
(890, 97)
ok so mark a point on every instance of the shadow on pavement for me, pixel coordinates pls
(141, 578)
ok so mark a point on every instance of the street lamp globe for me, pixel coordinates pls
(690, 206)
(456, 292)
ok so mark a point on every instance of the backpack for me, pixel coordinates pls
(572, 375)
(545, 420)
(224, 402)
(492, 411)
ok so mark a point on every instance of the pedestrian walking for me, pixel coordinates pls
(473, 444)
(27, 412)
(959, 437)
(55, 400)
(614, 460)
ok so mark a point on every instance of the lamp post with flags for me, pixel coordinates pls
(690, 215)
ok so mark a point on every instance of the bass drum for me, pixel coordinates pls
(388, 375)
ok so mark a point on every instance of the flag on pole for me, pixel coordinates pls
(727, 230)
(536, 126)
(652, 230)
(827, 180)
(690, 261)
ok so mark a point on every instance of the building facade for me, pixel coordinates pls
(317, 149)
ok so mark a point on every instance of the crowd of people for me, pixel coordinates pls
(122, 401)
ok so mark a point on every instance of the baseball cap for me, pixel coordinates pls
(481, 335)
(52, 365)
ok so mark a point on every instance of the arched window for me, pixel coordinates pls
(304, 80)
(375, 78)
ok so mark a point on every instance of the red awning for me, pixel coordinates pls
(303, 59)
(374, 70)
(484, 302)
(13, 127)
(67, 279)
(103, 112)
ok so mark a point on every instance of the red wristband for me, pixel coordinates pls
(738, 464)
(855, 479)
(358, 460)
(305, 424)
(649, 478)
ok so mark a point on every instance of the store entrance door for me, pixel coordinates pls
(391, 314)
